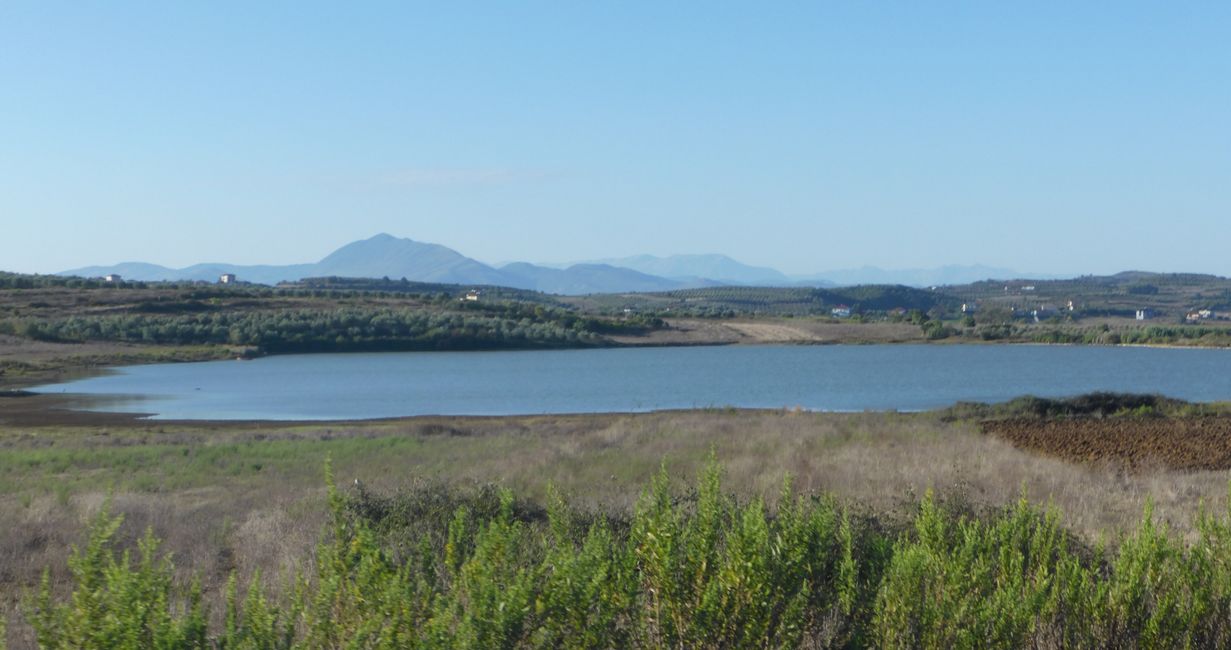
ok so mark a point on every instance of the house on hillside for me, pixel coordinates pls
(1145, 314)
(1198, 315)
(113, 277)
(1043, 313)
(841, 311)
(472, 295)
(226, 278)
(969, 308)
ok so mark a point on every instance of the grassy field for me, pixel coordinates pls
(236, 498)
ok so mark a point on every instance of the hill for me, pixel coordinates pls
(718, 269)
(386, 256)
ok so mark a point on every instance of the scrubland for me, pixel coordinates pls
(234, 501)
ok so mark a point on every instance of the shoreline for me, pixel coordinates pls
(26, 408)
(38, 370)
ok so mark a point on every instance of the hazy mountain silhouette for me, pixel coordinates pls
(387, 256)
(591, 278)
(716, 268)
(944, 275)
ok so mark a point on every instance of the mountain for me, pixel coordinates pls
(131, 270)
(388, 256)
(586, 278)
(375, 257)
(941, 276)
(689, 268)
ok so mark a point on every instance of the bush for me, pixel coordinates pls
(698, 570)
(119, 602)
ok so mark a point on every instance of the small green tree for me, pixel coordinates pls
(118, 602)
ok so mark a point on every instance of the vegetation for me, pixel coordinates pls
(344, 314)
(319, 315)
(1097, 404)
(312, 330)
(442, 568)
(728, 302)
(1150, 335)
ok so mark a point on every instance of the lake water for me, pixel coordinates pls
(838, 378)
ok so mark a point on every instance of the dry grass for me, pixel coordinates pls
(228, 515)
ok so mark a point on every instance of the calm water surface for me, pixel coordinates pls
(841, 378)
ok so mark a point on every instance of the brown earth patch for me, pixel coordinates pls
(1174, 443)
(770, 331)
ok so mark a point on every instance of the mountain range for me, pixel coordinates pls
(387, 256)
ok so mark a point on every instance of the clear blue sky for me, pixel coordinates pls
(1047, 137)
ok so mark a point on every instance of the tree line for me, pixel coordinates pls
(343, 329)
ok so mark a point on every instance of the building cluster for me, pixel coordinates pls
(1196, 316)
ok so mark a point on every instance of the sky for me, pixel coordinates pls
(1059, 138)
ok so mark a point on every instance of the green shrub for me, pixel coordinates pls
(699, 570)
(118, 602)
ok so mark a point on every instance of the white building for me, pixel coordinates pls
(113, 277)
(841, 311)
(226, 278)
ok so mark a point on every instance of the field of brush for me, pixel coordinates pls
(242, 502)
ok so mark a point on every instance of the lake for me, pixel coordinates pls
(835, 378)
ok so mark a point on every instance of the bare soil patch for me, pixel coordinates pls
(686, 332)
(848, 332)
(774, 333)
(1173, 443)
(770, 331)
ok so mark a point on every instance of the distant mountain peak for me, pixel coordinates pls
(385, 255)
